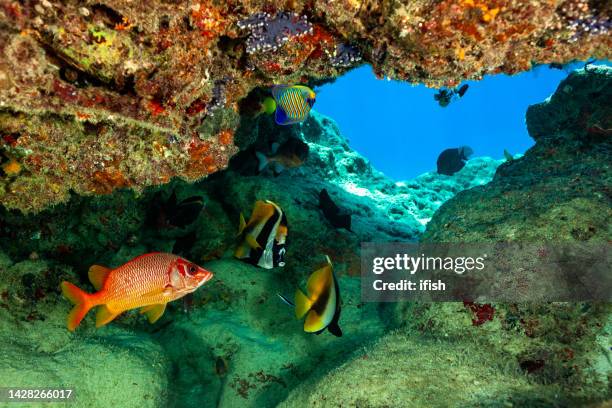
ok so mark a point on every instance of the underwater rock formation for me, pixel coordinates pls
(95, 97)
(117, 367)
(527, 355)
(234, 343)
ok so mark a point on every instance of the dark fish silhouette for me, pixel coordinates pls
(450, 161)
(445, 96)
(461, 91)
(338, 217)
(170, 213)
(290, 154)
(182, 246)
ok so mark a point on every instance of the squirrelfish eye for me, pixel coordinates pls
(192, 269)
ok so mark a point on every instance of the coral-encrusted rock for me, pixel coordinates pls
(560, 190)
(580, 109)
(129, 94)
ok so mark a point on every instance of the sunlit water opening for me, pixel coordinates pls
(401, 128)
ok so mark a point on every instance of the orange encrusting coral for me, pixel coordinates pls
(12, 168)
(104, 182)
(226, 136)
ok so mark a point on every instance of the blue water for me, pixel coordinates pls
(401, 129)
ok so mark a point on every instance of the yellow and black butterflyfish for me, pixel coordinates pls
(263, 236)
(321, 303)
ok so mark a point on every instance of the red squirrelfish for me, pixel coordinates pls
(148, 281)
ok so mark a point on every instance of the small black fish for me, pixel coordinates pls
(338, 217)
(450, 161)
(169, 213)
(555, 65)
(182, 246)
(462, 90)
(445, 96)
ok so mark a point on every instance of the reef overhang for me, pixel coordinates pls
(112, 94)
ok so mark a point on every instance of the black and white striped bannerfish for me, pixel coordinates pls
(262, 238)
(293, 103)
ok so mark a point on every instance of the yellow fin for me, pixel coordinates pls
(302, 304)
(262, 211)
(104, 315)
(154, 312)
(242, 224)
(97, 275)
(252, 241)
(241, 251)
(313, 322)
(320, 280)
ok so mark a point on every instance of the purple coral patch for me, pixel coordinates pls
(269, 33)
(345, 55)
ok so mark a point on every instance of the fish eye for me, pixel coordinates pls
(192, 269)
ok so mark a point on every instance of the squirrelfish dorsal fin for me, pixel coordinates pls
(97, 275)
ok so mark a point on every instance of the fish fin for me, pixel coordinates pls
(154, 312)
(335, 329)
(280, 117)
(262, 211)
(252, 242)
(278, 168)
(242, 224)
(145, 309)
(313, 323)
(302, 304)
(262, 160)
(285, 300)
(277, 89)
(82, 303)
(97, 275)
(104, 316)
(320, 279)
(242, 251)
(274, 147)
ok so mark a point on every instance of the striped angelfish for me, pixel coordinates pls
(293, 103)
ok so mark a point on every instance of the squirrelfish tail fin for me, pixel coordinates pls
(302, 304)
(82, 303)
